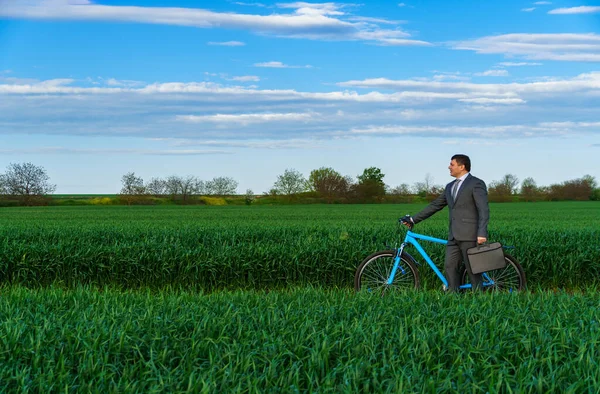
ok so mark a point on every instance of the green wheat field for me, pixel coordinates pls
(259, 299)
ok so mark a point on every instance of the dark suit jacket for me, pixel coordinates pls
(469, 214)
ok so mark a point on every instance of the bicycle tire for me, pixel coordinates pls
(372, 273)
(510, 278)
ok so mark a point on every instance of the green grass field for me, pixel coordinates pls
(259, 299)
(202, 247)
(297, 340)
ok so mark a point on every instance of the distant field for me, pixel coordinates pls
(202, 247)
(61, 198)
(82, 195)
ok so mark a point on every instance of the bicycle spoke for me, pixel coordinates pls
(376, 272)
(505, 279)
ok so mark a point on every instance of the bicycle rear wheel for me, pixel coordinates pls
(510, 278)
(373, 272)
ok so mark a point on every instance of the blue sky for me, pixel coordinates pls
(91, 90)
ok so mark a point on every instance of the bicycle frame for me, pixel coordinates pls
(412, 239)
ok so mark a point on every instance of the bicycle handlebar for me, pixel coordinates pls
(408, 221)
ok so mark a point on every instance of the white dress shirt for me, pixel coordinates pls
(462, 180)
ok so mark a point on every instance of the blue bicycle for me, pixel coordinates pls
(391, 270)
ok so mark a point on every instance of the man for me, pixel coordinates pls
(467, 202)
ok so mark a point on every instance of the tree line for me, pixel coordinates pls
(324, 182)
(176, 187)
(28, 184)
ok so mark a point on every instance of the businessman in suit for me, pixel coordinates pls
(466, 198)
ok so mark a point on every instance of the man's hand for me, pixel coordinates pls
(407, 220)
(481, 240)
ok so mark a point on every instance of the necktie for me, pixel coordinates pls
(455, 189)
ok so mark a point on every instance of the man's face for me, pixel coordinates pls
(455, 169)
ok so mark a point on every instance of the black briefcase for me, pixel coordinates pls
(486, 257)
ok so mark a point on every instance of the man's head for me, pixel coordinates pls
(459, 165)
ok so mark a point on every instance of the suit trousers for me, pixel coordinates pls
(456, 252)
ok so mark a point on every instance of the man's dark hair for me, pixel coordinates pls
(462, 160)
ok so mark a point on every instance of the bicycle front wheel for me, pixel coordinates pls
(510, 278)
(373, 273)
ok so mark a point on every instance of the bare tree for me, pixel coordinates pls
(290, 182)
(173, 186)
(133, 186)
(427, 187)
(511, 182)
(222, 186)
(503, 189)
(428, 182)
(401, 190)
(188, 186)
(200, 187)
(184, 187)
(156, 187)
(27, 182)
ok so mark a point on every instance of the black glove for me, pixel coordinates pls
(407, 221)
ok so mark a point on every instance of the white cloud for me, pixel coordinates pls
(53, 86)
(390, 38)
(445, 75)
(18, 81)
(401, 5)
(250, 4)
(127, 83)
(584, 84)
(485, 100)
(278, 65)
(576, 10)
(518, 64)
(542, 2)
(570, 124)
(211, 113)
(474, 142)
(322, 21)
(528, 9)
(245, 119)
(484, 131)
(406, 91)
(227, 43)
(562, 47)
(401, 42)
(245, 78)
(493, 73)
(84, 151)
(293, 143)
(373, 20)
(303, 8)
